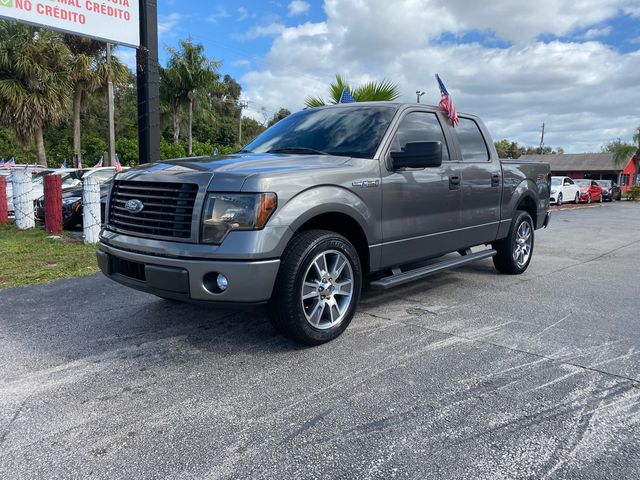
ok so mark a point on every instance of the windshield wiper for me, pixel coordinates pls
(301, 150)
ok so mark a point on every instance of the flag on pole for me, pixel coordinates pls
(64, 163)
(117, 164)
(1, 162)
(346, 97)
(11, 163)
(100, 163)
(446, 102)
(216, 152)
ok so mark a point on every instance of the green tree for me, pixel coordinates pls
(368, 92)
(34, 82)
(88, 71)
(195, 76)
(623, 152)
(279, 115)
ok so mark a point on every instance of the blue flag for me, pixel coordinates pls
(64, 163)
(216, 152)
(346, 97)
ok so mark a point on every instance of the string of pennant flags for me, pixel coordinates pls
(11, 163)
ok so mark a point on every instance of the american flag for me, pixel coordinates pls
(117, 164)
(64, 164)
(446, 103)
(346, 97)
(10, 163)
(100, 163)
(216, 152)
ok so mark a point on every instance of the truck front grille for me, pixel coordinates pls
(167, 211)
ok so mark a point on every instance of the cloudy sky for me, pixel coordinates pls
(574, 65)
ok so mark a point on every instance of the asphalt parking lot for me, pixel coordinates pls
(468, 374)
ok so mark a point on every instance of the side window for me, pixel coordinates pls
(419, 127)
(568, 181)
(472, 144)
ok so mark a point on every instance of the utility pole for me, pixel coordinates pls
(112, 129)
(148, 80)
(242, 105)
(542, 138)
(418, 95)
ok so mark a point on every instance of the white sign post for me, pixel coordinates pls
(113, 21)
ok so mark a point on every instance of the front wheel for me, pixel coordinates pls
(589, 198)
(577, 199)
(317, 288)
(559, 199)
(515, 251)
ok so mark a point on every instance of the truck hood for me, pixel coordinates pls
(229, 172)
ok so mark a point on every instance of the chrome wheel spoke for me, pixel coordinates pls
(327, 289)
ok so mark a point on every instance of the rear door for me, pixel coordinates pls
(420, 207)
(481, 182)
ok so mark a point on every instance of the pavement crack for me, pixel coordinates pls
(4, 434)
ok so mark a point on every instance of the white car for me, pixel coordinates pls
(564, 190)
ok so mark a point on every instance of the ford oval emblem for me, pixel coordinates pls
(134, 206)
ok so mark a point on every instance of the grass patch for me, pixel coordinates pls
(28, 257)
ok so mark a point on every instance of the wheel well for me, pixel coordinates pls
(345, 226)
(528, 205)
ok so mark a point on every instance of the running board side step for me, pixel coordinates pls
(400, 278)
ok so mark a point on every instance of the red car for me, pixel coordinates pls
(590, 191)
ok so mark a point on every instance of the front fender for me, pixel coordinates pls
(326, 199)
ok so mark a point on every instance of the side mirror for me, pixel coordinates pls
(418, 155)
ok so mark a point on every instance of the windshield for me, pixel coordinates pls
(604, 183)
(556, 180)
(354, 131)
(583, 183)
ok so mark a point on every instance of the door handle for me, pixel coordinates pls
(454, 182)
(495, 180)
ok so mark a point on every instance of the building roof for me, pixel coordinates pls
(577, 162)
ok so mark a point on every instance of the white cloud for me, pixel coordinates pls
(219, 12)
(269, 30)
(582, 90)
(593, 33)
(298, 7)
(168, 22)
(245, 14)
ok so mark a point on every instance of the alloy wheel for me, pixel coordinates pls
(523, 244)
(327, 290)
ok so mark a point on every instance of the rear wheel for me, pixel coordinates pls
(577, 199)
(317, 289)
(515, 251)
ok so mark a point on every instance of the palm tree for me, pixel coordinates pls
(172, 99)
(623, 152)
(89, 71)
(368, 92)
(193, 76)
(34, 86)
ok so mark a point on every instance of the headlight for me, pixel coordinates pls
(224, 212)
(553, 191)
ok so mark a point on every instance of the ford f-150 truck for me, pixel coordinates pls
(324, 198)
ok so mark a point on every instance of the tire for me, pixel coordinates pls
(324, 267)
(577, 199)
(510, 260)
(559, 202)
(600, 199)
(589, 198)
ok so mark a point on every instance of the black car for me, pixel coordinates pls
(72, 206)
(610, 190)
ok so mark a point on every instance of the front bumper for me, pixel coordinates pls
(189, 279)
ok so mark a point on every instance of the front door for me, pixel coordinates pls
(420, 207)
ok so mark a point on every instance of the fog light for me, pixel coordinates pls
(222, 282)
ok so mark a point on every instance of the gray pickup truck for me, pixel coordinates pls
(324, 198)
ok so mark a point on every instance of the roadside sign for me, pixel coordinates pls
(113, 21)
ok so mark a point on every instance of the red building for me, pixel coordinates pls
(596, 166)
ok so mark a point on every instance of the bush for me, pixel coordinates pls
(127, 150)
(633, 193)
